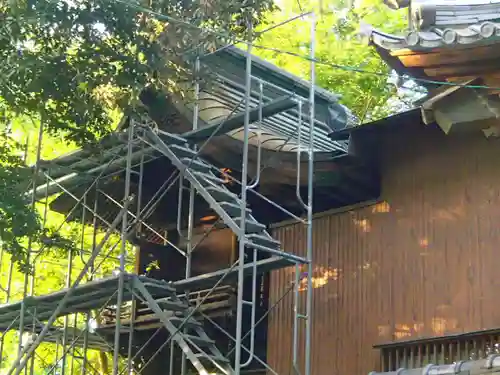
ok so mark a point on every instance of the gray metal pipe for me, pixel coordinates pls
(243, 202)
(73, 178)
(477, 367)
(310, 190)
(123, 251)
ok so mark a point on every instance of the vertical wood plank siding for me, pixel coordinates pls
(425, 261)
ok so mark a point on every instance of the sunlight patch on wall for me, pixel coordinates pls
(321, 276)
(440, 326)
(363, 224)
(401, 330)
(382, 207)
(423, 242)
(449, 213)
(365, 268)
(437, 326)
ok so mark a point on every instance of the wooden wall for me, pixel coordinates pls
(424, 261)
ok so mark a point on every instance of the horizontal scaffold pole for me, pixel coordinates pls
(236, 121)
(478, 367)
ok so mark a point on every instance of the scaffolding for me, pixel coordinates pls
(110, 312)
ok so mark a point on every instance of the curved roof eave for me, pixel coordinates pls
(288, 81)
(436, 38)
(231, 61)
(333, 114)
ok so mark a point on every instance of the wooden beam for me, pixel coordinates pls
(446, 57)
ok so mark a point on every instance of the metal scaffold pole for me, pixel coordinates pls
(68, 284)
(306, 276)
(190, 223)
(243, 204)
(310, 192)
(138, 229)
(30, 242)
(121, 276)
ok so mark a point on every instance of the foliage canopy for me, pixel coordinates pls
(73, 65)
(339, 49)
(73, 61)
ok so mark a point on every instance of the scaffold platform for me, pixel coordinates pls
(231, 274)
(76, 337)
(96, 294)
(86, 297)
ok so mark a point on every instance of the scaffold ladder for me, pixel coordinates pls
(185, 330)
(226, 204)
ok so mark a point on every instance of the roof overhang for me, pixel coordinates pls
(451, 55)
(439, 38)
(462, 109)
(280, 128)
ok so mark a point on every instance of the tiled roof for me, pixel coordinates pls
(436, 37)
(445, 23)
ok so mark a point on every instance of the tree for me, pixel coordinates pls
(73, 65)
(18, 221)
(72, 61)
(48, 268)
(339, 48)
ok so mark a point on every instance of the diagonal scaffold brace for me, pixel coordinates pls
(176, 334)
(27, 352)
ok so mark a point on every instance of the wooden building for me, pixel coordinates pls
(410, 278)
(419, 262)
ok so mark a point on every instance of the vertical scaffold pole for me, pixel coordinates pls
(244, 174)
(310, 192)
(133, 311)
(30, 243)
(11, 263)
(75, 316)
(255, 183)
(121, 276)
(32, 286)
(66, 317)
(91, 272)
(190, 228)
